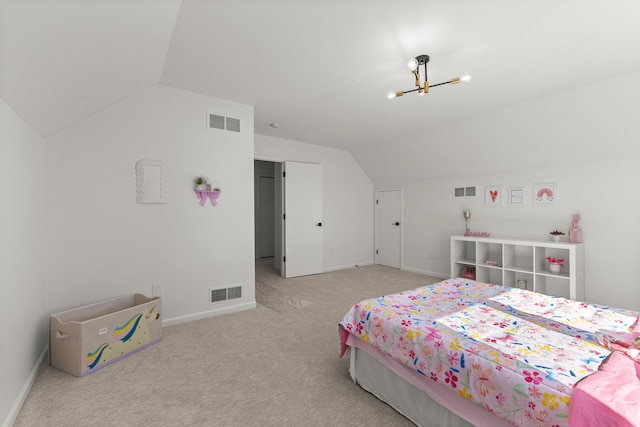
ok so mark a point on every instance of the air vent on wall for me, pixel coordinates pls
(233, 125)
(224, 294)
(215, 121)
(464, 192)
(234, 293)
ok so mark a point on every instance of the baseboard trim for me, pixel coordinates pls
(362, 264)
(425, 272)
(26, 388)
(344, 267)
(209, 313)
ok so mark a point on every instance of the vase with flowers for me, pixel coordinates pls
(555, 264)
(556, 235)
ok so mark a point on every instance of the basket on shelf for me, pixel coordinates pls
(469, 272)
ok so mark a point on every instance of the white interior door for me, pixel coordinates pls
(388, 227)
(302, 224)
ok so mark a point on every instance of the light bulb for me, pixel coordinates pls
(412, 64)
(391, 95)
(463, 79)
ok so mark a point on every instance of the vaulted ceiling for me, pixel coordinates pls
(319, 69)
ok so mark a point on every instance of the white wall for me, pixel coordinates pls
(348, 199)
(603, 192)
(585, 140)
(103, 244)
(22, 280)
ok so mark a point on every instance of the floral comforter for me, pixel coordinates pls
(517, 353)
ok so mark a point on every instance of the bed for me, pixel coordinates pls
(462, 352)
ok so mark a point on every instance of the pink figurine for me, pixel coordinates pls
(575, 235)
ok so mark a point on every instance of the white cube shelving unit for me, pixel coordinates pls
(505, 261)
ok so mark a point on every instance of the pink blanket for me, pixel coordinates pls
(608, 398)
(611, 396)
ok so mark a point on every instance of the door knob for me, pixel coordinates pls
(319, 224)
(396, 223)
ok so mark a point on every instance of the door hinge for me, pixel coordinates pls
(284, 216)
(376, 201)
(284, 259)
(284, 174)
(376, 252)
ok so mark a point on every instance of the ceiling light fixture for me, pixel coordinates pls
(423, 87)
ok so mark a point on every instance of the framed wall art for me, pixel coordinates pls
(544, 195)
(493, 196)
(516, 196)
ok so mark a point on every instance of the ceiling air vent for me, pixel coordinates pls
(216, 121)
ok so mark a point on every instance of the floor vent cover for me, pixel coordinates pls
(235, 292)
(224, 294)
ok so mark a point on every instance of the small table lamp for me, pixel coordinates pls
(467, 215)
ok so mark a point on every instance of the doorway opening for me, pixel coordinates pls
(288, 216)
(267, 186)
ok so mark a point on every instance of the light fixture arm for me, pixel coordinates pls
(422, 88)
(425, 59)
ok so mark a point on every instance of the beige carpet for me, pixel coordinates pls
(277, 300)
(276, 365)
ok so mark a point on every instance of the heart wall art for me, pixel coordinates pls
(493, 196)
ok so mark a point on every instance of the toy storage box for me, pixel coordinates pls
(88, 338)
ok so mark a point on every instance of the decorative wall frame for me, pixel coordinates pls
(544, 195)
(151, 181)
(516, 196)
(493, 196)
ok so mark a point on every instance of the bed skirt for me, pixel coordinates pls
(424, 402)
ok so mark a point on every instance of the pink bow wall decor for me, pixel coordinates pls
(211, 195)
